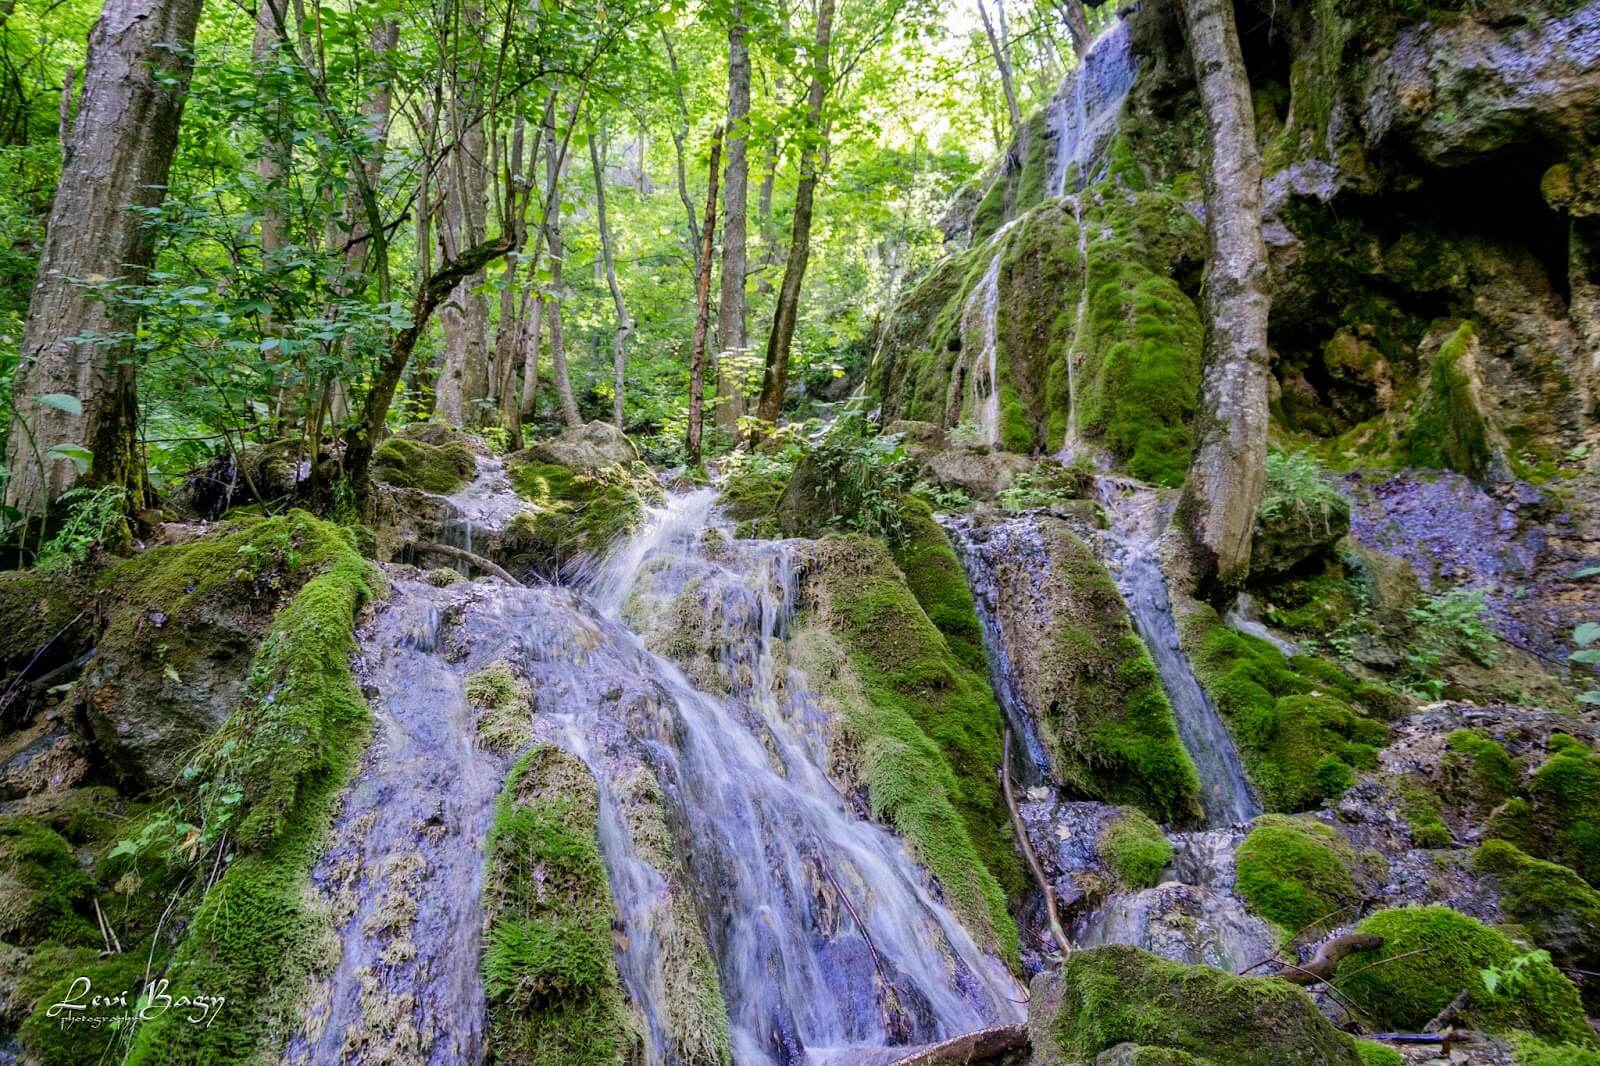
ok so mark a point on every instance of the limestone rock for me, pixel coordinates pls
(585, 450)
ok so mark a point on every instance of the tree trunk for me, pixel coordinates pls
(273, 164)
(533, 323)
(1077, 23)
(730, 306)
(702, 309)
(513, 309)
(122, 146)
(554, 168)
(680, 137)
(775, 376)
(1227, 472)
(1002, 61)
(624, 326)
(464, 375)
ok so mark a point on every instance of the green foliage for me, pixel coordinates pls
(853, 479)
(44, 895)
(90, 516)
(1135, 849)
(1297, 874)
(1452, 622)
(1375, 1054)
(1043, 485)
(504, 703)
(413, 464)
(1430, 954)
(575, 514)
(553, 990)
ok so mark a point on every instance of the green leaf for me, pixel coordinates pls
(60, 401)
(1588, 571)
(171, 674)
(1586, 634)
(80, 457)
(1587, 655)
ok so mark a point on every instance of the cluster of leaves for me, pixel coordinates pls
(869, 471)
(1453, 622)
(1586, 637)
(1296, 481)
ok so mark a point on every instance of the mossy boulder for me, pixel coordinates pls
(504, 705)
(44, 894)
(413, 464)
(1134, 849)
(1105, 997)
(1564, 807)
(555, 998)
(1431, 954)
(1299, 873)
(573, 514)
(1301, 516)
(34, 607)
(49, 977)
(1556, 907)
(915, 725)
(588, 449)
(1087, 677)
(1451, 427)
(1476, 772)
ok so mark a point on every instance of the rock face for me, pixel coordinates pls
(586, 450)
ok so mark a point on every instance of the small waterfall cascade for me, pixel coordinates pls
(787, 874)
(1137, 516)
(403, 874)
(1071, 443)
(980, 335)
(1083, 114)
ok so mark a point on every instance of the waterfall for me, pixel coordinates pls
(980, 320)
(1070, 440)
(1083, 114)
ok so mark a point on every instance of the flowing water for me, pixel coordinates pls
(828, 939)
(1083, 116)
(980, 334)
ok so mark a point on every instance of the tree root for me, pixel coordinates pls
(493, 569)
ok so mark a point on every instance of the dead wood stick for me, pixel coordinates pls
(1446, 1016)
(897, 1023)
(1027, 850)
(1328, 956)
(984, 1045)
(1332, 990)
(493, 569)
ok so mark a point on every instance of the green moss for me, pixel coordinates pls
(575, 514)
(33, 608)
(413, 464)
(555, 998)
(1478, 768)
(1565, 812)
(44, 895)
(1430, 954)
(51, 979)
(1115, 995)
(1447, 430)
(936, 578)
(269, 777)
(1296, 873)
(1135, 849)
(1303, 725)
(1420, 808)
(918, 727)
(1098, 697)
(1529, 1050)
(1557, 908)
(1375, 1054)
(504, 703)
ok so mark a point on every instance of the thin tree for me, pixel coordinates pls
(555, 169)
(1001, 49)
(702, 310)
(71, 393)
(775, 373)
(730, 305)
(1076, 19)
(624, 326)
(1227, 472)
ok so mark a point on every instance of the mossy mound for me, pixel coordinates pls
(1450, 428)
(414, 464)
(1476, 771)
(1297, 873)
(1093, 688)
(504, 703)
(50, 976)
(267, 781)
(1300, 516)
(1135, 849)
(1431, 954)
(44, 895)
(573, 514)
(1104, 997)
(918, 727)
(1556, 907)
(555, 998)
(1564, 810)
(33, 608)
(936, 578)
(1303, 725)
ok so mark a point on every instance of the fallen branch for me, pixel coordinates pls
(1455, 1036)
(1027, 851)
(1328, 956)
(897, 1024)
(985, 1045)
(487, 566)
(1448, 1015)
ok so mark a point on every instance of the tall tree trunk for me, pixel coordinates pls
(464, 376)
(513, 309)
(730, 306)
(555, 166)
(1076, 20)
(533, 323)
(775, 376)
(122, 146)
(1227, 472)
(1002, 60)
(273, 164)
(702, 310)
(624, 326)
(680, 137)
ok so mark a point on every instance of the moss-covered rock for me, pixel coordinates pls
(1451, 428)
(1300, 516)
(50, 978)
(1135, 849)
(414, 464)
(1476, 771)
(1093, 689)
(572, 514)
(34, 607)
(555, 998)
(1431, 954)
(1105, 997)
(504, 703)
(936, 579)
(588, 449)
(915, 725)
(1556, 907)
(1303, 725)
(1298, 873)
(44, 894)
(268, 780)
(1564, 812)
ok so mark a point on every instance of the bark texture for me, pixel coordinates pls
(702, 310)
(555, 168)
(730, 306)
(121, 148)
(1227, 472)
(624, 323)
(775, 375)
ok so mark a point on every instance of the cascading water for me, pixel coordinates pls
(980, 321)
(1084, 112)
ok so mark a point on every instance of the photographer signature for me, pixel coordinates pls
(82, 1004)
